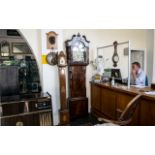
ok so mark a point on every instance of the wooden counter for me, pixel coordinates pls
(109, 101)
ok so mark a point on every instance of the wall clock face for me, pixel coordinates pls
(52, 40)
(51, 58)
(62, 61)
(78, 52)
(116, 58)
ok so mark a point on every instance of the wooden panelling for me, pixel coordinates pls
(78, 107)
(110, 102)
(96, 97)
(147, 109)
(122, 101)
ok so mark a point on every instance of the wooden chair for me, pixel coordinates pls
(126, 116)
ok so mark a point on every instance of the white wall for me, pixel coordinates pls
(149, 53)
(49, 74)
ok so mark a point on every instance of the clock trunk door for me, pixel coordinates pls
(77, 81)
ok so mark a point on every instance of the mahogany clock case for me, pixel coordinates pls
(64, 113)
(77, 50)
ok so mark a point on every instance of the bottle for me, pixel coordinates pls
(113, 81)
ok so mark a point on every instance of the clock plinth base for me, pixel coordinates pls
(64, 117)
(78, 107)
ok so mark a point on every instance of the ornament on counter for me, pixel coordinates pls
(99, 64)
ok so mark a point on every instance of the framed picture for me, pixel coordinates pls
(12, 32)
(116, 73)
(20, 48)
(4, 49)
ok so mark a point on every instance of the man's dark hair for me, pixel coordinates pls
(137, 64)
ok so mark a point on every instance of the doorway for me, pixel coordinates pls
(138, 56)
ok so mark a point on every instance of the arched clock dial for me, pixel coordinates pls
(115, 57)
(78, 50)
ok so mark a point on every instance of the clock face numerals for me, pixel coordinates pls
(78, 50)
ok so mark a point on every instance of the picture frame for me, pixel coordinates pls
(20, 48)
(116, 73)
(4, 49)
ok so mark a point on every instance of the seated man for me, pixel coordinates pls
(138, 76)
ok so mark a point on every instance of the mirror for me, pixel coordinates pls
(20, 48)
(16, 57)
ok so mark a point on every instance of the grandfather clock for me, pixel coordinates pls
(64, 113)
(78, 58)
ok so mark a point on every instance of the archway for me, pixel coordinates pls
(16, 54)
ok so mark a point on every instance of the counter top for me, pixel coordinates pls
(133, 90)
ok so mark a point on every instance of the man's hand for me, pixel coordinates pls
(134, 74)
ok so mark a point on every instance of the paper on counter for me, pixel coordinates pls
(138, 86)
(150, 93)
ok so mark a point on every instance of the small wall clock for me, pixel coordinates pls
(115, 57)
(52, 40)
(51, 58)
